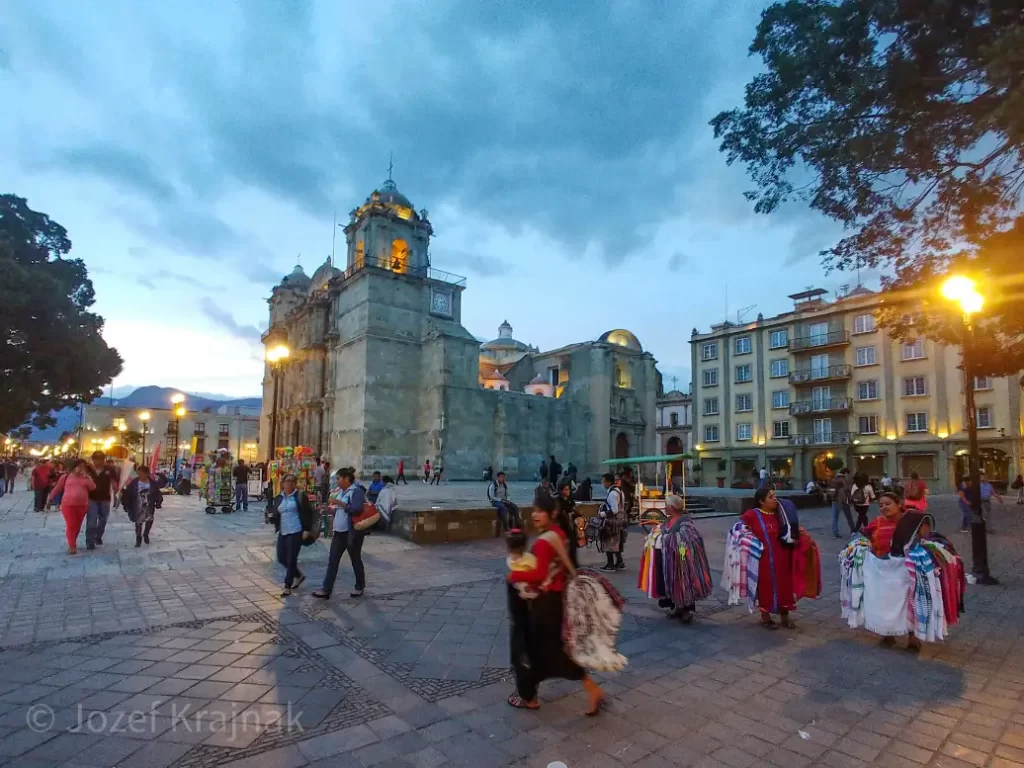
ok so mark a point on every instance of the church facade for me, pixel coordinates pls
(380, 369)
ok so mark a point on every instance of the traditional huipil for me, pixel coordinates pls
(788, 558)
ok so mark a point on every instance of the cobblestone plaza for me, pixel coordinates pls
(183, 654)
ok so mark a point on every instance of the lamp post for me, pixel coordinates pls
(276, 357)
(144, 418)
(962, 291)
(178, 406)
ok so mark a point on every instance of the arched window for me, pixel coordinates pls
(399, 261)
(622, 377)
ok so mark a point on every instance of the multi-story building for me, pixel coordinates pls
(801, 391)
(674, 419)
(117, 429)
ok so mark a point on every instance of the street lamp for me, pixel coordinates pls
(144, 418)
(962, 292)
(178, 406)
(276, 356)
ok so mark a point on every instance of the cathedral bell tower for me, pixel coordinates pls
(387, 233)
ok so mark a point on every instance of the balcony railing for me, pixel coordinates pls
(819, 340)
(822, 438)
(368, 262)
(832, 405)
(821, 374)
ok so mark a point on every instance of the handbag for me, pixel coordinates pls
(367, 518)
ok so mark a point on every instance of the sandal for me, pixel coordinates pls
(788, 624)
(595, 710)
(321, 595)
(286, 592)
(299, 580)
(518, 702)
(769, 624)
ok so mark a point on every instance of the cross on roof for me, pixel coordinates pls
(391, 164)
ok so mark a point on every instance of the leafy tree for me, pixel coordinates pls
(51, 354)
(904, 121)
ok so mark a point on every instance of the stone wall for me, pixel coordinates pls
(448, 525)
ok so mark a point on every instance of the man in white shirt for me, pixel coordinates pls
(764, 478)
(886, 482)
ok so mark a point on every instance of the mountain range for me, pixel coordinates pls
(160, 397)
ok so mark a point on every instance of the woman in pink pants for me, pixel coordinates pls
(74, 502)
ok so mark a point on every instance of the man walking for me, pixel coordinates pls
(346, 538)
(105, 486)
(42, 475)
(840, 502)
(241, 475)
(401, 473)
(554, 471)
(614, 532)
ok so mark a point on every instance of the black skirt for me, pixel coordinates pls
(538, 653)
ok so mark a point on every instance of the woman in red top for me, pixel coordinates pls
(775, 591)
(73, 490)
(881, 529)
(544, 654)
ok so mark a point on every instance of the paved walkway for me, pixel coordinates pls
(183, 654)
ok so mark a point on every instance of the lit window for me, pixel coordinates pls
(863, 323)
(711, 377)
(865, 355)
(709, 351)
(119, 423)
(744, 431)
(743, 345)
(710, 406)
(744, 403)
(711, 433)
(780, 368)
(912, 350)
(780, 398)
(914, 386)
(780, 429)
(917, 422)
(779, 339)
(867, 425)
(743, 374)
(867, 390)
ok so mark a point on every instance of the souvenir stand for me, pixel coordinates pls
(299, 461)
(219, 488)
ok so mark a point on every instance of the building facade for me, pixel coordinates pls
(822, 383)
(106, 427)
(381, 369)
(675, 428)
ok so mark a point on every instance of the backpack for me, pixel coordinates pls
(858, 497)
(318, 525)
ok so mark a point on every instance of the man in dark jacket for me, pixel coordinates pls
(241, 476)
(105, 478)
(554, 472)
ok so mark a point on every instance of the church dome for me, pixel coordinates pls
(323, 275)
(296, 278)
(622, 338)
(389, 194)
(504, 342)
(538, 379)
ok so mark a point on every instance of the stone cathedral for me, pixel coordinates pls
(381, 368)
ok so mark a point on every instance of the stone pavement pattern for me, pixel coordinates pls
(183, 654)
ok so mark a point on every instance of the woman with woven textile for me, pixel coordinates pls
(545, 655)
(778, 534)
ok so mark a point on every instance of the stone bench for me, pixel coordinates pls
(441, 526)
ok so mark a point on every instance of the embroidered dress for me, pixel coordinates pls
(743, 553)
(851, 580)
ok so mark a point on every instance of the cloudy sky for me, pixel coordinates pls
(194, 151)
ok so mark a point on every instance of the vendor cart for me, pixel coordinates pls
(649, 504)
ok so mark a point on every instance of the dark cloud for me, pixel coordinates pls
(677, 261)
(474, 264)
(185, 279)
(572, 121)
(224, 319)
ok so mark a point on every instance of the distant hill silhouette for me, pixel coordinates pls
(160, 397)
(141, 397)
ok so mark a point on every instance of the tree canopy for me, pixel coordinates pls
(52, 355)
(904, 121)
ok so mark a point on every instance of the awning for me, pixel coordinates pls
(648, 459)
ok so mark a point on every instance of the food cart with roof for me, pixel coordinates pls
(649, 504)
